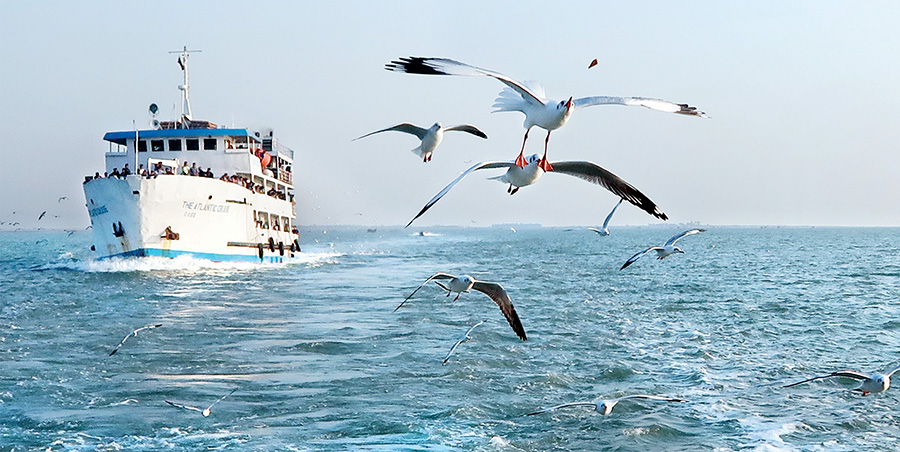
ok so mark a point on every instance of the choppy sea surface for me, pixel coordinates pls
(320, 362)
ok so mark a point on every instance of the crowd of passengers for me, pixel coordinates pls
(159, 168)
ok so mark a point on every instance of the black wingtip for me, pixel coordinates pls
(113, 352)
(414, 65)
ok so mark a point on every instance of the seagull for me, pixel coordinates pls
(465, 283)
(605, 407)
(594, 62)
(430, 137)
(464, 338)
(529, 98)
(134, 333)
(604, 231)
(42, 215)
(664, 251)
(520, 177)
(61, 198)
(870, 383)
(208, 409)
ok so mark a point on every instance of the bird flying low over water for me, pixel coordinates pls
(664, 251)
(464, 338)
(464, 283)
(604, 230)
(520, 177)
(133, 333)
(605, 407)
(205, 412)
(430, 137)
(869, 383)
(529, 98)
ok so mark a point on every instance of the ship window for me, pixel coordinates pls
(142, 146)
(156, 145)
(174, 145)
(193, 144)
(209, 144)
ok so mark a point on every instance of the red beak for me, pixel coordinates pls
(569, 103)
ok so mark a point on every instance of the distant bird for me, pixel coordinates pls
(605, 407)
(70, 233)
(61, 198)
(430, 137)
(465, 283)
(42, 215)
(664, 251)
(604, 230)
(205, 412)
(593, 63)
(529, 98)
(464, 338)
(134, 333)
(520, 177)
(870, 383)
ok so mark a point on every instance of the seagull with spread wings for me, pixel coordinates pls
(465, 337)
(521, 177)
(604, 230)
(430, 137)
(464, 283)
(529, 98)
(605, 407)
(869, 383)
(204, 411)
(664, 251)
(133, 333)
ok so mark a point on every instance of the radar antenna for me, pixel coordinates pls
(185, 88)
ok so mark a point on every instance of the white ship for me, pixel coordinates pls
(244, 211)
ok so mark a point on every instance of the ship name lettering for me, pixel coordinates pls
(97, 211)
(217, 208)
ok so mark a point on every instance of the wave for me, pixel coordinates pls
(180, 263)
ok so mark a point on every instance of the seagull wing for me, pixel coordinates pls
(565, 405)
(499, 295)
(841, 373)
(42, 214)
(609, 217)
(446, 66)
(637, 256)
(468, 128)
(221, 398)
(598, 231)
(148, 327)
(178, 405)
(596, 174)
(405, 128)
(674, 239)
(648, 396)
(476, 167)
(434, 276)
(121, 343)
(891, 373)
(653, 104)
(464, 338)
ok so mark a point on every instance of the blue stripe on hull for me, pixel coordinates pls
(144, 252)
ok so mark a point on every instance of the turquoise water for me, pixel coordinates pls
(321, 363)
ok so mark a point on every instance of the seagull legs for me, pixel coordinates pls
(544, 164)
(512, 190)
(520, 160)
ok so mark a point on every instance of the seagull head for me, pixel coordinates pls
(465, 279)
(533, 158)
(206, 412)
(679, 250)
(605, 407)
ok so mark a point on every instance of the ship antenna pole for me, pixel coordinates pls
(185, 88)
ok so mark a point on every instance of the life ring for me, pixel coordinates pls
(260, 247)
(281, 248)
(271, 244)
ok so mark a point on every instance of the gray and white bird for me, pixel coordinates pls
(664, 251)
(529, 98)
(604, 230)
(204, 411)
(465, 337)
(605, 407)
(133, 333)
(430, 137)
(518, 177)
(869, 383)
(464, 283)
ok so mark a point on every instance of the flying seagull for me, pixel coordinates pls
(605, 407)
(430, 137)
(664, 251)
(42, 215)
(133, 333)
(604, 230)
(465, 283)
(594, 62)
(529, 98)
(520, 177)
(464, 338)
(208, 409)
(61, 198)
(870, 383)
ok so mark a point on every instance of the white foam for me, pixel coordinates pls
(180, 263)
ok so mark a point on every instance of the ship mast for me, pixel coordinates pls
(185, 87)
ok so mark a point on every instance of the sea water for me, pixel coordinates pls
(322, 363)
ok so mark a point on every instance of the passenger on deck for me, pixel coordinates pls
(115, 173)
(142, 171)
(125, 171)
(193, 171)
(97, 175)
(185, 169)
(294, 230)
(209, 173)
(224, 177)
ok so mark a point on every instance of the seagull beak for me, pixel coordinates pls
(569, 104)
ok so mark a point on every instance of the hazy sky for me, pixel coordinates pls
(803, 101)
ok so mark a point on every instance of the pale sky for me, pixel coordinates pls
(803, 101)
